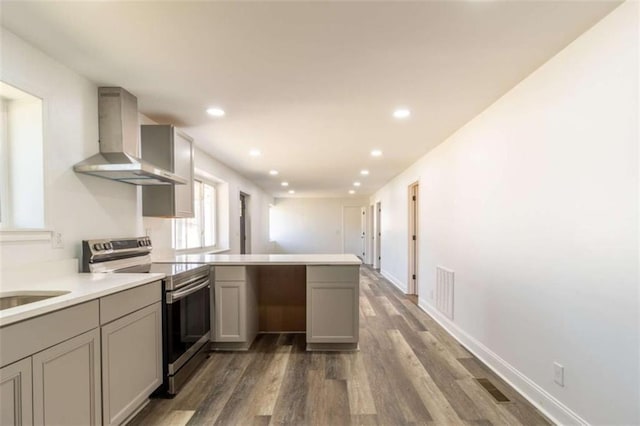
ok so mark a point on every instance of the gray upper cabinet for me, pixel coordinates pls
(170, 149)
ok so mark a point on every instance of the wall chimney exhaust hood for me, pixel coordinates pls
(119, 144)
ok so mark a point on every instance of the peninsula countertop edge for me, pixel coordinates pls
(264, 259)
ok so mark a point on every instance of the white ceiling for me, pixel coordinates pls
(312, 85)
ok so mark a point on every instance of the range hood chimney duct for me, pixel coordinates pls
(119, 144)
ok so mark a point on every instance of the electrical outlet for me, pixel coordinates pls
(56, 240)
(558, 374)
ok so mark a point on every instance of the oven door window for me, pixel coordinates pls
(187, 321)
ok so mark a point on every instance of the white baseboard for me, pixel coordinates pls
(556, 411)
(393, 280)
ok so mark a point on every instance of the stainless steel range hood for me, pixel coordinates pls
(119, 146)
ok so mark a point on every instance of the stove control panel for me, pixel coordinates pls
(115, 248)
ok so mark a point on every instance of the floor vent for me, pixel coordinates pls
(444, 291)
(493, 391)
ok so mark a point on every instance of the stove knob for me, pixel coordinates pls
(97, 247)
(108, 246)
(148, 242)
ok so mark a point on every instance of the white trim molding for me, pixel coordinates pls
(395, 281)
(555, 410)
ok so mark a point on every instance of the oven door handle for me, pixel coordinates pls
(174, 296)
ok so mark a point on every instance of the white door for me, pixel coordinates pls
(352, 231)
(378, 236)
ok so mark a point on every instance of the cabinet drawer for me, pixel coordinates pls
(33, 335)
(341, 273)
(230, 273)
(120, 304)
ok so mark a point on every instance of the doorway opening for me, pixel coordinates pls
(371, 241)
(353, 230)
(245, 224)
(413, 241)
(377, 257)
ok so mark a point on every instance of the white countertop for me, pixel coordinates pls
(265, 259)
(81, 288)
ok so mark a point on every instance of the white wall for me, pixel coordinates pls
(77, 206)
(84, 207)
(534, 205)
(309, 225)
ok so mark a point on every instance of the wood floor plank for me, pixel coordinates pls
(365, 307)
(292, 399)
(431, 396)
(440, 373)
(360, 398)
(522, 409)
(496, 413)
(456, 369)
(221, 386)
(177, 418)
(269, 387)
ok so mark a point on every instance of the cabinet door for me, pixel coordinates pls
(66, 382)
(131, 362)
(183, 163)
(332, 312)
(230, 300)
(15, 394)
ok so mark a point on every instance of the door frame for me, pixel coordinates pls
(246, 229)
(371, 240)
(413, 197)
(377, 256)
(362, 211)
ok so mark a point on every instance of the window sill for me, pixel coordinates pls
(202, 250)
(17, 235)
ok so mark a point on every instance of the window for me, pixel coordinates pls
(21, 160)
(199, 231)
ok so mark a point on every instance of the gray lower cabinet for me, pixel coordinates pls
(230, 311)
(332, 306)
(66, 382)
(89, 364)
(131, 362)
(15, 394)
(236, 307)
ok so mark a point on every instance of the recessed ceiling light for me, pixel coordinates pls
(216, 112)
(291, 191)
(285, 184)
(364, 172)
(376, 153)
(273, 172)
(356, 183)
(401, 113)
(255, 153)
(351, 191)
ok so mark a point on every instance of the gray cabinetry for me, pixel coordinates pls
(332, 307)
(66, 382)
(170, 149)
(131, 350)
(15, 394)
(62, 368)
(236, 319)
(62, 386)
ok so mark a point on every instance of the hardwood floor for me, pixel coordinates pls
(408, 371)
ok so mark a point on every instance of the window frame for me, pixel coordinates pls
(174, 224)
(8, 231)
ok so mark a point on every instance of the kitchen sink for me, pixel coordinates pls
(24, 297)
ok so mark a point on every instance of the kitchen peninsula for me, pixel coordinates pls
(316, 294)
